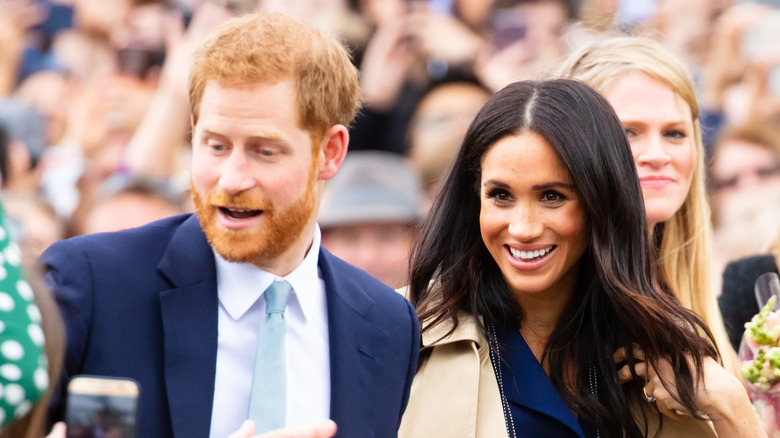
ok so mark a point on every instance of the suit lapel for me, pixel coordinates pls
(355, 347)
(529, 386)
(189, 316)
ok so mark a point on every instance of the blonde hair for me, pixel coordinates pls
(267, 47)
(686, 238)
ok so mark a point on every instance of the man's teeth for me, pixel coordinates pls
(530, 255)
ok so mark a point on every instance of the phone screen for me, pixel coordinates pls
(137, 61)
(100, 407)
(509, 26)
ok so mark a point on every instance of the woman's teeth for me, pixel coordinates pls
(531, 255)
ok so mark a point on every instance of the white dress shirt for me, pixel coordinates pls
(241, 315)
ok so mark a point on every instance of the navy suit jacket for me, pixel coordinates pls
(142, 303)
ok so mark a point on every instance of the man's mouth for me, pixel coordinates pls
(239, 213)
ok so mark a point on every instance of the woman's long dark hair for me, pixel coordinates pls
(617, 302)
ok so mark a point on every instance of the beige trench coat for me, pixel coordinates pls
(455, 393)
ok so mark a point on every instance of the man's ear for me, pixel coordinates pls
(333, 149)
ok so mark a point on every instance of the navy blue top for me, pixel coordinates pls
(536, 407)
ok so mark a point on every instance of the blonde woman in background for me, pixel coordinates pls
(653, 95)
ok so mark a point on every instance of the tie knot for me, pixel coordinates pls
(276, 296)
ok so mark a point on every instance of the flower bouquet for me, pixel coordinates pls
(759, 354)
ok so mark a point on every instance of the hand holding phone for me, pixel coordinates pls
(101, 407)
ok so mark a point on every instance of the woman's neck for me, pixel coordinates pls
(540, 317)
(541, 310)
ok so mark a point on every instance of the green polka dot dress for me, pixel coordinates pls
(23, 374)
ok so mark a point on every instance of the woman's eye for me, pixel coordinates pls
(217, 147)
(553, 197)
(499, 195)
(676, 134)
(629, 132)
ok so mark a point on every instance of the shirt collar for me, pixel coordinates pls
(240, 285)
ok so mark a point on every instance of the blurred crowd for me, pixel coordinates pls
(94, 116)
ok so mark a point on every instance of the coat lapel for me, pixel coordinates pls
(355, 346)
(529, 386)
(189, 316)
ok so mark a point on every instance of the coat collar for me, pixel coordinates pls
(190, 327)
(466, 330)
(529, 385)
(189, 319)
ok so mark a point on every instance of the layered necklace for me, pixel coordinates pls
(495, 359)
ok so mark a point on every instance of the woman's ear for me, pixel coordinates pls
(333, 149)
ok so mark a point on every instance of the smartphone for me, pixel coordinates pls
(509, 26)
(100, 406)
(138, 61)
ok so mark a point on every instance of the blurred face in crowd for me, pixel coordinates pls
(739, 169)
(51, 94)
(254, 175)
(33, 224)
(474, 13)
(659, 127)
(531, 219)
(127, 210)
(438, 126)
(381, 249)
(101, 17)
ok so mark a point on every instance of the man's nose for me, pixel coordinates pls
(236, 175)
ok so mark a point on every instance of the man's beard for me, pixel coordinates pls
(276, 234)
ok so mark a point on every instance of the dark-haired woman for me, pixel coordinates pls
(534, 282)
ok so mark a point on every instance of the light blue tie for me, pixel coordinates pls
(268, 399)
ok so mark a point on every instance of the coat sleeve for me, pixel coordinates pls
(67, 273)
